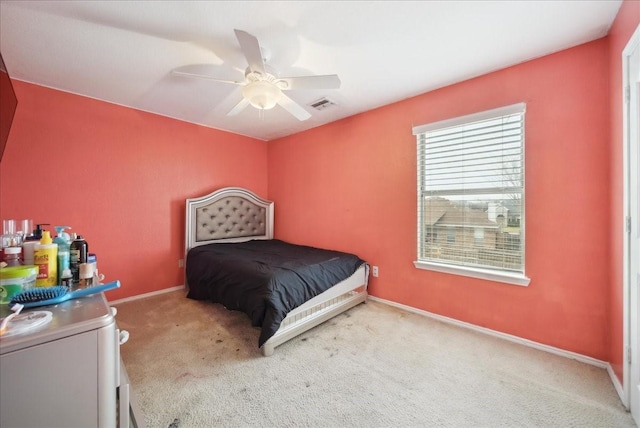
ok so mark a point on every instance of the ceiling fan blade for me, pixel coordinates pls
(238, 107)
(202, 76)
(251, 49)
(294, 108)
(330, 81)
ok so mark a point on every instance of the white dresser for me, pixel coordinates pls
(69, 374)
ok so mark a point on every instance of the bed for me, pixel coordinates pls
(232, 258)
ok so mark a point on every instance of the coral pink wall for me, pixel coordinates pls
(626, 22)
(120, 178)
(351, 185)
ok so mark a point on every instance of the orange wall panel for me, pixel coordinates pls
(120, 178)
(351, 185)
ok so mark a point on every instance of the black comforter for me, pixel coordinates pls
(265, 279)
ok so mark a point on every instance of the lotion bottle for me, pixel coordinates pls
(44, 257)
(63, 240)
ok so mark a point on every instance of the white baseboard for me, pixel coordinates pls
(540, 346)
(617, 385)
(505, 336)
(145, 295)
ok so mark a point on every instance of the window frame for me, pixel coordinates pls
(504, 276)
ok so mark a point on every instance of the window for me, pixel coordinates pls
(451, 235)
(471, 188)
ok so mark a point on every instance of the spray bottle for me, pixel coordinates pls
(63, 239)
(79, 252)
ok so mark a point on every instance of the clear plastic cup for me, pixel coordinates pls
(8, 227)
(24, 227)
(9, 237)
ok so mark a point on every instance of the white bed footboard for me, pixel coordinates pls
(334, 301)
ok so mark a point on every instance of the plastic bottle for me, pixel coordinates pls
(44, 256)
(63, 240)
(79, 252)
(37, 232)
(12, 256)
(92, 259)
(66, 278)
(30, 241)
(86, 275)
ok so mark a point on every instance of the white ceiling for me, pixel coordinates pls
(124, 52)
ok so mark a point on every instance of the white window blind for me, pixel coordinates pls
(471, 191)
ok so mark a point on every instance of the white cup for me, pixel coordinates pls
(27, 251)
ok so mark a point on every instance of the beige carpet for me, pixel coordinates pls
(195, 364)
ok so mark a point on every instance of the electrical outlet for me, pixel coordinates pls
(181, 263)
(374, 271)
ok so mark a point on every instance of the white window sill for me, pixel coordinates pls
(489, 275)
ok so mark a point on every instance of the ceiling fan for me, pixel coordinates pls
(262, 88)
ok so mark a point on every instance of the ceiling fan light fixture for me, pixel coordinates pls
(262, 94)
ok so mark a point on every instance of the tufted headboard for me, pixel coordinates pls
(231, 214)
